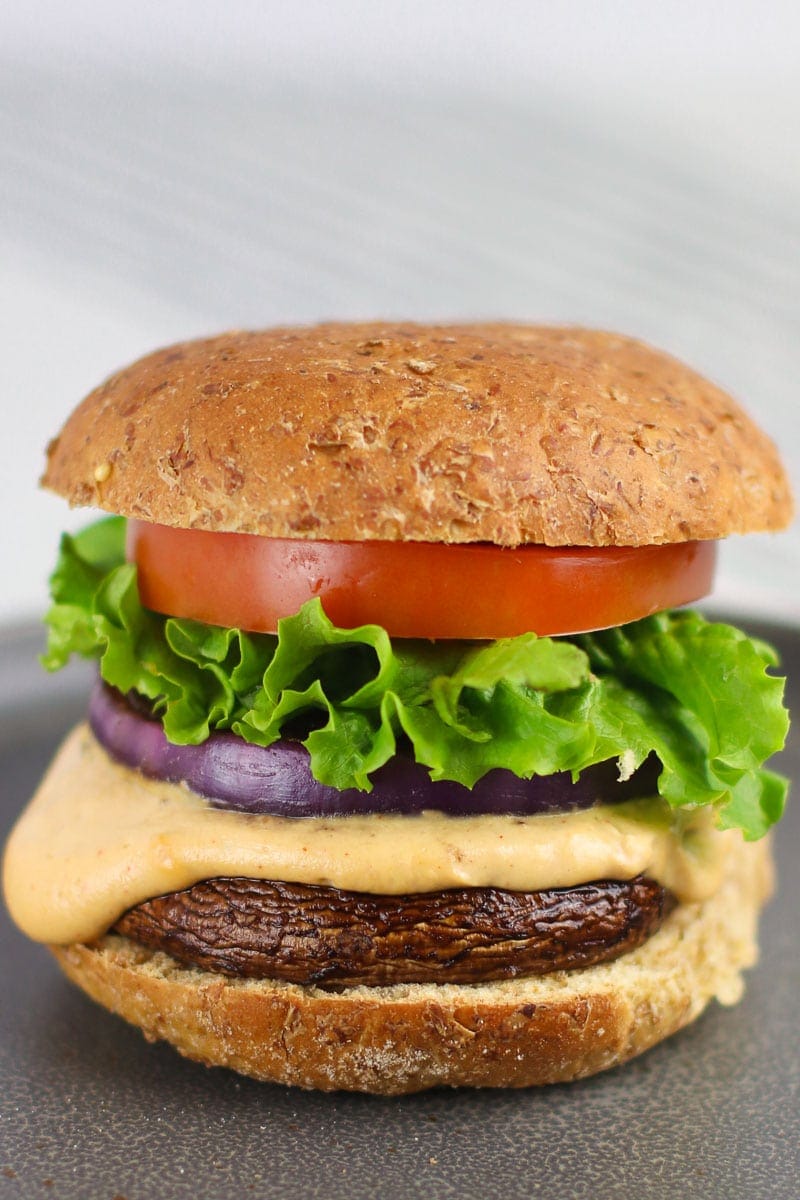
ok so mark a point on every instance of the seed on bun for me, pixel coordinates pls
(510, 434)
(407, 765)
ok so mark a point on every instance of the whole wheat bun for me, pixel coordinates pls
(501, 433)
(488, 432)
(411, 1037)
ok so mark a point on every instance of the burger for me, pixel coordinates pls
(406, 764)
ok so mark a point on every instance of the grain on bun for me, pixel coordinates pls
(504, 439)
(509, 434)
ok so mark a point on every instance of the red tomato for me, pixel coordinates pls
(413, 589)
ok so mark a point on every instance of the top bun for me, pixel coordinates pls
(444, 433)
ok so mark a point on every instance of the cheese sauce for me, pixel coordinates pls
(98, 838)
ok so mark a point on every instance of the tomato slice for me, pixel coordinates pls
(413, 589)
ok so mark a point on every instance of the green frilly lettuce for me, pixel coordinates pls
(696, 694)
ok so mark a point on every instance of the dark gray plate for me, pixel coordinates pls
(90, 1110)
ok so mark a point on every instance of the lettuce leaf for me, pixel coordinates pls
(698, 695)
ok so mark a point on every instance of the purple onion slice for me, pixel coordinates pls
(277, 779)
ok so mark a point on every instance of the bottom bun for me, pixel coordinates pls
(410, 1037)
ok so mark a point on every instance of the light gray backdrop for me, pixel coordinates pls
(172, 169)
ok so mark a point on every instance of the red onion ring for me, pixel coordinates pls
(277, 779)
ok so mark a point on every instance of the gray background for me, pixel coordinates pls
(170, 169)
(89, 1111)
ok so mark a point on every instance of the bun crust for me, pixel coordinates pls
(503, 433)
(411, 1037)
